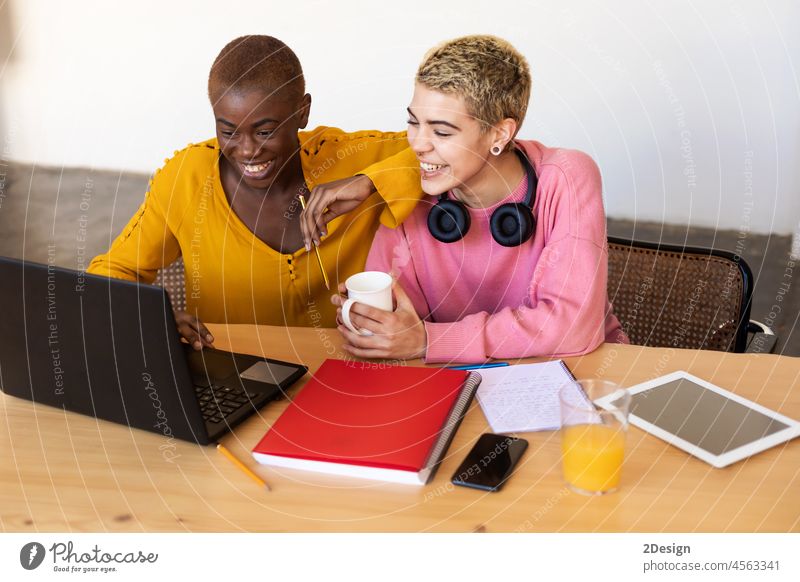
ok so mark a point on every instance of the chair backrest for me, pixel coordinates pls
(677, 296)
(173, 279)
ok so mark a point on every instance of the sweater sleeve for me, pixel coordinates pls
(391, 253)
(146, 244)
(565, 318)
(564, 312)
(384, 157)
(397, 181)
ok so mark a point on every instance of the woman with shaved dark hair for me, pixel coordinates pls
(230, 206)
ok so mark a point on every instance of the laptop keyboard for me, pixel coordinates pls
(219, 402)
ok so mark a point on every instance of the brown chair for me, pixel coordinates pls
(684, 297)
(173, 279)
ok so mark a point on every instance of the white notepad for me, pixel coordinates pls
(523, 398)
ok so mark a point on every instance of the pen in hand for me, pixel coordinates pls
(316, 249)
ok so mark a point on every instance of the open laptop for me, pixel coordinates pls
(110, 349)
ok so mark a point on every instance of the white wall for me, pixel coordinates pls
(692, 109)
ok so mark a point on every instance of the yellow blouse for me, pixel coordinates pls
(231, 275)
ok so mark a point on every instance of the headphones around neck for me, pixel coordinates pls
(511, 224)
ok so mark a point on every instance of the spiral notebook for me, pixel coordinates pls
(391, 423)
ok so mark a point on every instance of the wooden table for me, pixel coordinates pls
(66, 472)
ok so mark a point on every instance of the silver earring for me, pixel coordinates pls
(496, 150)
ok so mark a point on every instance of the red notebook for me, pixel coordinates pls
(390, 423)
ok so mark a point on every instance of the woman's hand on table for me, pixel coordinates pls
(399, 334)
(193, 330)
(329, 200)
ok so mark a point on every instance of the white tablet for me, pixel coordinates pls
(704, 420)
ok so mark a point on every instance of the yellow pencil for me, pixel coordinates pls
(242, 466)
(316, 248)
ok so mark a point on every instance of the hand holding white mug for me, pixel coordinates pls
(373, 288)
(394, 332)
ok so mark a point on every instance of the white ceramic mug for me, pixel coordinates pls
(372, 288)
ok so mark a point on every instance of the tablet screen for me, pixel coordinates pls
(702, 417)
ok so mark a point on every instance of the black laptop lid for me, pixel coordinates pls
(97, 346)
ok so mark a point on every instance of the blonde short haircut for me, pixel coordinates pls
(488, 72)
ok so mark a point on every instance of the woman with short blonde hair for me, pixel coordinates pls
(507, 256)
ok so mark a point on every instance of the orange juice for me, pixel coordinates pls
(593, 456)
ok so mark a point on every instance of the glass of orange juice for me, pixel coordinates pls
(594, 420)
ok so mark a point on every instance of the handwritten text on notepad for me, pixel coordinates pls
(523, 398)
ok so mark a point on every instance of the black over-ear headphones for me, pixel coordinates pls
(511, 224)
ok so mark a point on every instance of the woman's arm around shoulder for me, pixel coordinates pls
(380, 162)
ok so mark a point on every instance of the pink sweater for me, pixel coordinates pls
(481, 300)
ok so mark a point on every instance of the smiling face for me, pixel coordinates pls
(448, 141)
(257, 133)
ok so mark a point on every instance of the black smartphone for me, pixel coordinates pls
(490, 462)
